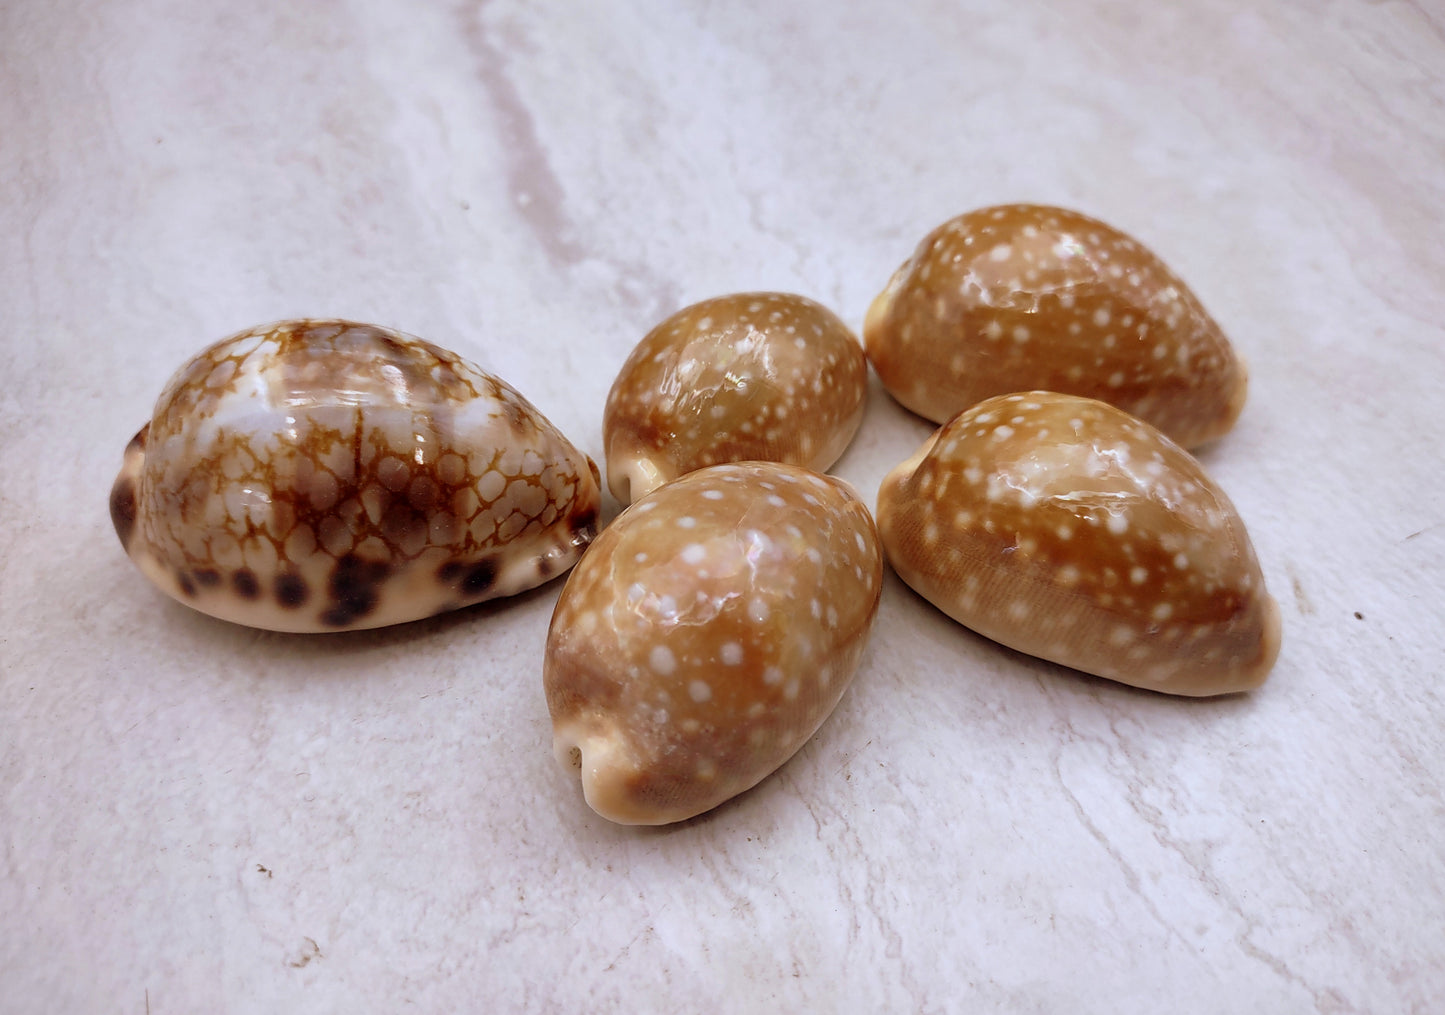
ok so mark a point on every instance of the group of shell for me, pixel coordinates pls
(327, 475)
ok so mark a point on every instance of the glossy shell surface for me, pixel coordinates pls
(328, 475)
(1023, 297)
(1065, 528)
(751, 376)
(707, 634)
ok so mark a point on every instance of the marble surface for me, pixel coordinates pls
(199, 817)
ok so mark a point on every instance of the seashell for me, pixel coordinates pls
(753, 376)
(1065, 528)
(327, 475)
(707, 634)
(1025, 296)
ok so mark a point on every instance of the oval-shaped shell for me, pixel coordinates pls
(752, 376)
(1067, 529)
(707, 634)
(327, 475)
(1023, 297)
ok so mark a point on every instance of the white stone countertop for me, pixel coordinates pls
(198, 817)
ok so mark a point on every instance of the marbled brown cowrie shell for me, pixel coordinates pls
(328, 475)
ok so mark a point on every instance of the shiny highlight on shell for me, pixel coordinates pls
(1021, 297)
(321, 475)
(750, 376)
(707, 634)
(1062, 527)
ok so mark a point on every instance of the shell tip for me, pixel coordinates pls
(1271, 637)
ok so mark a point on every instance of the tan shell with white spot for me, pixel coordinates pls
(1023, 297)
(328, 475)
(752, 376)
(1067, 529)
(707, 634)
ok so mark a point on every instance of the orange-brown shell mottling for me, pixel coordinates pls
(1022, 297)
(325, 475)
(707, 634)
(1065, 528)
(751, 376)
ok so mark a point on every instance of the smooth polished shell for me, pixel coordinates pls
(327, 475)
(1023, 297)
(707, 634)
(752, 376)
(1067, 529)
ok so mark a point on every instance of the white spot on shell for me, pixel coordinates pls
(694, 553)
(662, 660)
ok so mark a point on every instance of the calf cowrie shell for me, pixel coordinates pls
(706, 635)
(751, 376)
(1021, 297)
(1065, 528)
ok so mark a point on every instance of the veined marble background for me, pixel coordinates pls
(199, 817)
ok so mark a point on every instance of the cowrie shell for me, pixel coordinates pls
(327, 475)
(1021, 297)
(1062, 527)
(706, 635)
(752, 376)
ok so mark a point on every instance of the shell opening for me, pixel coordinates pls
(606, 770)
(567, 749)
(632, 479)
